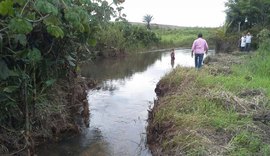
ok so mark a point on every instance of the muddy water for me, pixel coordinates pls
(118, 107)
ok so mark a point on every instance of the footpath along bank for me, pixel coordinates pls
(222, 109)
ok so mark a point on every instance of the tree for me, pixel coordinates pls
(40, 41)
(147, 19)
(247, 13)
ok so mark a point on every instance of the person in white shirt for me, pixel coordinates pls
(248, 41)
(243, 43)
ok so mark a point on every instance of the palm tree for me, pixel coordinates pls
(147, 19)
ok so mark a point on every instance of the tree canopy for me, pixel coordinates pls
(40, 41)
(249, 13)
(148, 19)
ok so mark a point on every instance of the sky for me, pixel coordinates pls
(190, 13)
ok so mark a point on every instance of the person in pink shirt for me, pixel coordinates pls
(199, 48)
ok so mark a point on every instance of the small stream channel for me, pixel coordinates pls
(119, 106)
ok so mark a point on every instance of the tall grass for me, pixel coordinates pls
(260, 65)
(254, 72)
(183, 37)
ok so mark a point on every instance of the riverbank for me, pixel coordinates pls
(64, 113)
(221, 109)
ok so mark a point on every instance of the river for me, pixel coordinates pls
(119, 105)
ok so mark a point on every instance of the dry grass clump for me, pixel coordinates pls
(247, 102)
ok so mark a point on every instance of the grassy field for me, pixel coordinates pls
(182, 36)
(222, 109)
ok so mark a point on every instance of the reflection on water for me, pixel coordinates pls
(118, 108)
(172, 63)
(119, 68)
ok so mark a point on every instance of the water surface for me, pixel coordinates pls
(119, 106)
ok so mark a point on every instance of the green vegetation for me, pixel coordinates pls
(222, 109)
(250, 14)
(42, 43)
(219, 110)
(119, 37)
(242, 16)
(148, 19)
(184, 37)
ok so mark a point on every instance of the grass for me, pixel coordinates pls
(212, 113)
(183, 37)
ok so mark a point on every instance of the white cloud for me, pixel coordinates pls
(203, 13)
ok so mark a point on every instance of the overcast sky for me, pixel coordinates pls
(202, 13)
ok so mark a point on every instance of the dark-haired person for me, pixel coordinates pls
(172, 57)
(248, 41)
(199, 48)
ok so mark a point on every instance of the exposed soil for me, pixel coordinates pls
(66, 113)
(77, 109)
(247, 102)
